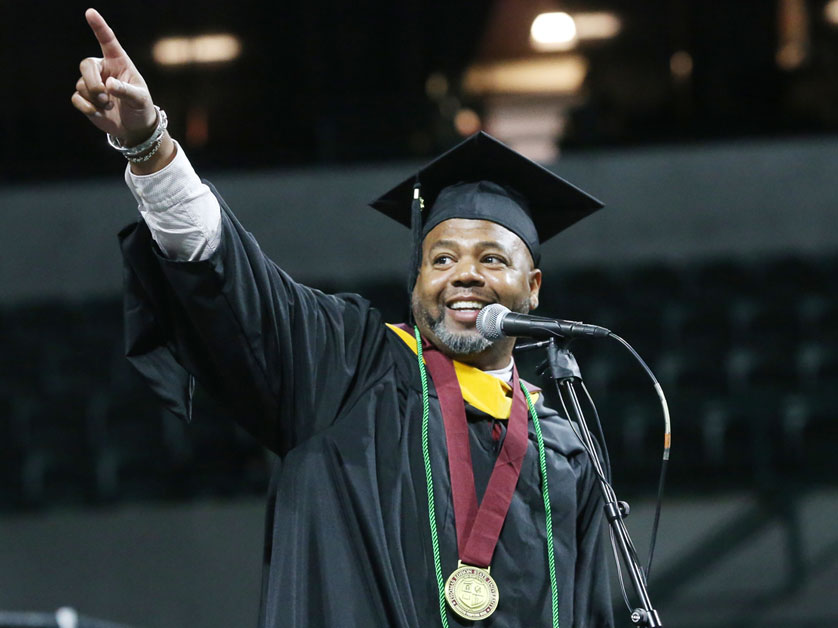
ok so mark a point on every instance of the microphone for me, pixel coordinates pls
(496, 321)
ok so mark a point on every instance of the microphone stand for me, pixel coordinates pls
(561, 366)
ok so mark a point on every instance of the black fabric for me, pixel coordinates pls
(482, 178)
(553, 203)
(484, 200)
(323, 383)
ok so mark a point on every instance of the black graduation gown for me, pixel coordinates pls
(322, 382)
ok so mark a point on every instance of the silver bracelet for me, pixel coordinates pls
(153, 142)
(148, 155)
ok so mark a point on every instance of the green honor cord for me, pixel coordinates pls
(542, 462)
(548, 513)
(443, 614)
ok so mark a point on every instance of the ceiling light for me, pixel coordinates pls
(553, 31)
(552, 75)
(194, 50)
(681, 64)
(597, 25)
(172, 51)
(215, 48)
(560, 31)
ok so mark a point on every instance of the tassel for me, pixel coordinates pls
(416, 208)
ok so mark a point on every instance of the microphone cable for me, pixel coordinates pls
(667, 443)
(667, 440)
(607, 462)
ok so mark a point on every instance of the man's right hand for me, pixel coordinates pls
(114, 97)
(111, 92)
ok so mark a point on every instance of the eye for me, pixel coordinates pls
(442, 259)
(494, 259)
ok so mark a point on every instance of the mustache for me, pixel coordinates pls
(419, 310)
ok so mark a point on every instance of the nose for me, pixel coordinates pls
(466, 275)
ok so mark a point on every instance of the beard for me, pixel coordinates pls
(464, 342)
(461, 342)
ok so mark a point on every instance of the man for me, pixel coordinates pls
(418, 482)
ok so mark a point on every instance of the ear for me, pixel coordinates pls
(535, 287)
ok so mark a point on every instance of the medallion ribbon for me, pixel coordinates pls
(478, 527)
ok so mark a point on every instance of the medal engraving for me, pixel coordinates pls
(471, 592)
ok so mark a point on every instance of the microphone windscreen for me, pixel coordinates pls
(489, 320)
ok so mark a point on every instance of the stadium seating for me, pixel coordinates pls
(747, 353)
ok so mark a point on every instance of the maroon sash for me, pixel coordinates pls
(478, 528)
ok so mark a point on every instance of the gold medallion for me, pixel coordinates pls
(471, 592)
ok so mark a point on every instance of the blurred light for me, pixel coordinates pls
(555, 75)
(172, 51)
(793, 41)
(467, 122)
(436, 86)
(791, 56)
(553, 31)
(66, 617)
(681, 64)
(215, 48)
(598, 25)
(197, 127)
(192, 50)
(830, 12)
(532, 126)
(560, 31)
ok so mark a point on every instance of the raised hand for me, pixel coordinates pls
(111, 92)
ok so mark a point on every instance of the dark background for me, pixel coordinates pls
(717, 257)
(340, 82)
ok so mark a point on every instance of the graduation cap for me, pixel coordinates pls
(483, 179)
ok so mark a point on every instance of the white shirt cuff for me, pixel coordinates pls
(183, 215)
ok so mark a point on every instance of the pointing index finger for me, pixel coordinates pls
(107, 40)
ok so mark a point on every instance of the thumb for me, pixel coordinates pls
(131, 94)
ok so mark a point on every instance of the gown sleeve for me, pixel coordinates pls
(282, 357)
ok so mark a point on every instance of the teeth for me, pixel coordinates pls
(466, 305)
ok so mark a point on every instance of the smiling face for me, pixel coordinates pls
(466, 265)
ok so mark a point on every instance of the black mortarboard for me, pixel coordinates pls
(482, 178)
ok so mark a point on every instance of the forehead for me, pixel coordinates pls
(468, 232)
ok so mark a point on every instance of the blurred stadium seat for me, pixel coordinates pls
(747, 354)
